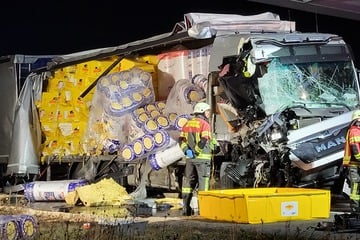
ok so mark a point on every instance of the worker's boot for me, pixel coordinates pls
(186, 204)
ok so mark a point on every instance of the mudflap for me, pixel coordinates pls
(347, 221)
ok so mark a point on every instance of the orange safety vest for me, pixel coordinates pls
(192, 132)
(352, 140)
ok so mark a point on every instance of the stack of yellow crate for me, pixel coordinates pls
(63, 115)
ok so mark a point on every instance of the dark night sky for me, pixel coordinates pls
(44, 28)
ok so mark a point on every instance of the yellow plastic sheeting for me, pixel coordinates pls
(107, 192)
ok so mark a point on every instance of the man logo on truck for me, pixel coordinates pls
(330, 144)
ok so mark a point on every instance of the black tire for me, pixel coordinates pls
(225, 181)
(338, 186)
(112, 170)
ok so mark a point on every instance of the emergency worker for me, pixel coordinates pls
(351, 160)
(195, 142)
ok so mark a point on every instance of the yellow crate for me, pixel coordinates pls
(264, 205)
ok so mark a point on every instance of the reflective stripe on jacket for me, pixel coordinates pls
(191, 134)
(352, 147)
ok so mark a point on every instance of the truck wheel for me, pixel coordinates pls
(338, 185)
(113, 170)
(225, 181)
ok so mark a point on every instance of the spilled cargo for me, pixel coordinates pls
(114, 112)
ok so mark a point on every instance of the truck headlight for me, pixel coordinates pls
(276, 135)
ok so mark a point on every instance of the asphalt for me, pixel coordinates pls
(345, 227)
(317, 228)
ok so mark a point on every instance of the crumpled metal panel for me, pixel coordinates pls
(25, 151)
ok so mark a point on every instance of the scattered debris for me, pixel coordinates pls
(349, 222)
(106, 192)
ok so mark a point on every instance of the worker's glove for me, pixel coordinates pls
(189, 153)
(216, 150)
(348, 182)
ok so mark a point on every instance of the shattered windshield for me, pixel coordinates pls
(318, 85)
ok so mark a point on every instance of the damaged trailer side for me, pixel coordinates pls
(124, 106)
(59, 166)
(13, 71)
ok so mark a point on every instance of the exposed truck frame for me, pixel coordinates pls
(265, 139)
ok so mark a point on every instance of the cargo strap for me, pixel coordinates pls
(92, 85)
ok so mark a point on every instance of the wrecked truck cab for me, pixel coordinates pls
(292, 109)
(291, 72)
(251, 70)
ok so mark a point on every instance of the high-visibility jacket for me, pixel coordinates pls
(352, 147)
(196, 135)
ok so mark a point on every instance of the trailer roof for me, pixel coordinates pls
(200, 26)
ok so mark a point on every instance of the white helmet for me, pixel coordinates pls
(355, 115)
(249, 68)
(201, 107)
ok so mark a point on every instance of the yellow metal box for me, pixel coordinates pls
(264, 205)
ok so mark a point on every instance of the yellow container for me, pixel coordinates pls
(264, 205)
